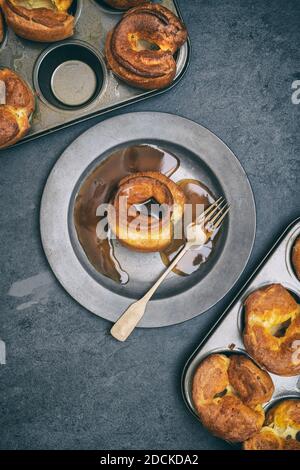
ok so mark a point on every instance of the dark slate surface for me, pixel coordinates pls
(67, 383)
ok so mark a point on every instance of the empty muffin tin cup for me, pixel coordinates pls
(70, 75)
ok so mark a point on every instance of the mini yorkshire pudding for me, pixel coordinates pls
(124, 4)
(17, 108)
(296, 257)
(41, 21)
(228, 393)
(281, 430)
(140, 48)
(140, 229)
(272, 329)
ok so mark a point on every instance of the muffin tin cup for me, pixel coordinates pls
(226, 335)
(77, 83)
(115, 11)
(188, 378)
(109, 9)
(275, 401)
(241, 313)
(93, 21)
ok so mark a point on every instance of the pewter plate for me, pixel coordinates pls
(226, 335)
(35, 63)
(203, 156)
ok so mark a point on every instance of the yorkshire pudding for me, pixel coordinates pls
(296, 257)
(141, 230)
(124, 4)
(15, 113)
(272, 329)
(128, 46)
(41, 21)
(228, 393)
(281, 430)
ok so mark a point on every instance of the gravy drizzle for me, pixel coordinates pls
(99, 188)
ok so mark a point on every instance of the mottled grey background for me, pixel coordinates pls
(67, 384)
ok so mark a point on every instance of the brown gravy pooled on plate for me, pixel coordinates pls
(99, 188)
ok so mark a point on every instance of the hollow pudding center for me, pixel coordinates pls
(147, 199)
(131, 220)
(139, 42)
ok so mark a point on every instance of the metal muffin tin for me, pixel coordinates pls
(226, 335)
(41, 66)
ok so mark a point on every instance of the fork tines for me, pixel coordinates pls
(213, 216)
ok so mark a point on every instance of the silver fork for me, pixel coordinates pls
(197, 234)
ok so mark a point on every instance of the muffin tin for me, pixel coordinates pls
(70, 77)
(226, 336)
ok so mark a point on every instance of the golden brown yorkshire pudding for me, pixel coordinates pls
(16, 112)
(128, 46)
(32, 20)
(228, 393)
(272, 329)
(296, 257)
(124, 4)
(144, 231)
(281, 430)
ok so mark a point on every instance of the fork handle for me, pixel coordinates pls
(127, 322)
(125, 325)
(171, 266)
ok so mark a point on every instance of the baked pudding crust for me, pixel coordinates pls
(272, 329)
(228, 393)
(281, 428)
(18, 93)
(143, 67)
(39, 24)
(14, 125)
(16, 112)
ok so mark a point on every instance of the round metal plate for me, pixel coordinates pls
(73, 82)
(203, 156)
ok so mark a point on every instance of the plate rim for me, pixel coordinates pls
(54, 258)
